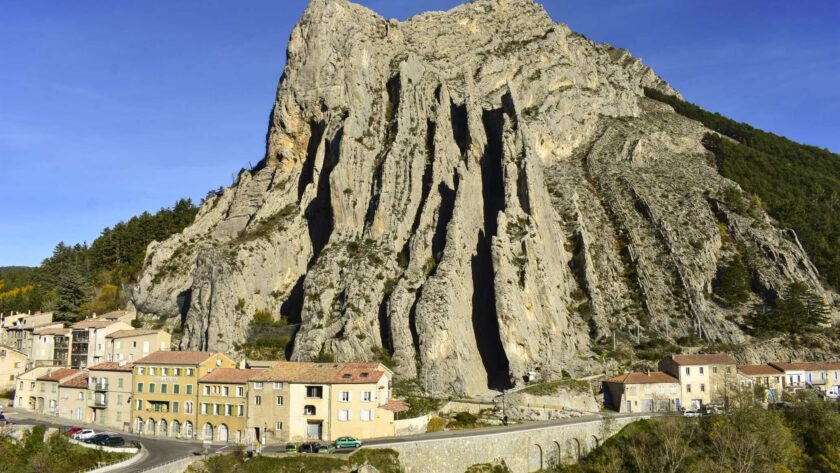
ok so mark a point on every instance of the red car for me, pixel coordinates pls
(72, 431)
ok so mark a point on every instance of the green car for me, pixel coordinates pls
(348, 442)
(291, 448)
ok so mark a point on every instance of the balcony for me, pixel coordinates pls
(100, 386)
(100, 403)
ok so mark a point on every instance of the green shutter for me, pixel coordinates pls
(175, 407)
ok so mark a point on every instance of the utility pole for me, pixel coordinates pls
(613, 340)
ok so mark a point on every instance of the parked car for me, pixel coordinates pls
(291, 447)
(325, 448)
(83, 434)
(691, 413)
(96, 438)
(113, 441)
(308, 447)
(348, 442)
(72, 430)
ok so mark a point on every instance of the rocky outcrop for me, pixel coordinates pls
(476, 193)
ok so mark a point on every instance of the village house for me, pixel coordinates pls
(12, 365)
(18, 333)
(47, 395)
(74, 399)
(131, 345)
(26, 389)
(50, 347)
(768, 377)
(643, 392)
(320, 401)
(223, 404)
(823, 376)
(704, 379)
(794, 374)
(111, 385)
(165, 391)
(88, 342)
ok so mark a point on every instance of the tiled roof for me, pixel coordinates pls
(759, 370)
(94, 323)
(52, 331)
(115, 314)
(710, 359)
(324, 373)
(59, 374)
(395, 405)
(230, 376)
(80, 381)
(131, 333)
(808, 365)
(654, 377)
(175, 358)
(112, 366)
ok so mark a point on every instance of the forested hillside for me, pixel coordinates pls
(799, 185)
(79, 279)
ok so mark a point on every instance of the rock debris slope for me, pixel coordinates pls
(478, 193)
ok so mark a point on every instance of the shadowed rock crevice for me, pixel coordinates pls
(484, 316)
(460, 126)
(319, 213)
(291, 308)
(385, 325)
(393, 87)
(316, 130)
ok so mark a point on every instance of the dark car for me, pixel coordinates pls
(98, 439)
(113, 442)
(308, 447)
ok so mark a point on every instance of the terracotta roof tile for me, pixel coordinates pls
(80, 381)
(94, 323)
(59, 374)
(808, 365)
(52, 331)
(759, 370)
(230, 376)
(707, 359)
(324, 373)
(132, 333)
(112, 366)
(175, 358)
(395, 405)
(654, 377)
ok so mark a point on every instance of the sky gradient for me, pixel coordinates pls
(109, 108)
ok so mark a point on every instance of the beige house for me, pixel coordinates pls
(47, 395)
(111, 387)
(765, 376)
(643, 392)
(165, 391)
(223, 404)
(88, 345)
(27, 390)
(704, 379)
(19, 333)
(320, 401)
(74, 399)
(50, 347)
(131, 345)
(12, 364)
(823, 376)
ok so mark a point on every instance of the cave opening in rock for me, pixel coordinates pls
(316, 134)
(484, 316)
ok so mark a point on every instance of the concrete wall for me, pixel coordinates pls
(523, 451)
(416, 425)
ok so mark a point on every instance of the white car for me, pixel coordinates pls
(691, 413)
(84, 434)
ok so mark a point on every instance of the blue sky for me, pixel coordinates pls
(109, 108)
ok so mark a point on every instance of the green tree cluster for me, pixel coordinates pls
(731, 285)
(799, 185)
(797, 311)
(54, 455)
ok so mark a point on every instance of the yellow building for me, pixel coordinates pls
(320, 401)
(643, 392)
(223, 403)
(131, 345)
(111, 387)
(26, 390)
(769, 378)
(12, 364)
(74, 399)
(704, 379)
(165, 391)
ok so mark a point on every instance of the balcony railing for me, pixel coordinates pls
(100, 386)
(100, 403)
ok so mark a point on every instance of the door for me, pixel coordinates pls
(223, 433)
(314, 430)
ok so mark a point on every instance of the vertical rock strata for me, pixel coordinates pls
(476, 193)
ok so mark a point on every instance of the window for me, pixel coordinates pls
(152, 371)
(138, 406)
(673, 390)
(176, 371)
(240, 410)
(206, 390)
(119, 382)
(688, 388)
(189, 371)
(647, 389)
(81, 396)
(189, 389)
(316, 392)
(163, 388)
(687, 370)
(228, 410)
(188, 407)
(258, 385)
(240, 391)
(176, 389)
(661, 389)
(175, 406)
(139, 387)
(702, 388)
(204, 408)
(309, 410)
(258, 400)
(367, 396)
(344, 396)
(225, 391)
(151, 387)
(278, 385)
(714, 369)
(164, 371)
(217, 409)
(701, 370)
(343, 415)
(279, 400)
(367, 415)
(278, 426)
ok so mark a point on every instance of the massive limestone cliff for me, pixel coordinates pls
(478, 193)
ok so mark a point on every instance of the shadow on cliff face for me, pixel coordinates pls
(484, 317)
(319, 213)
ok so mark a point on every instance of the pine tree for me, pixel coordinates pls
(71, 293)
(732, 283)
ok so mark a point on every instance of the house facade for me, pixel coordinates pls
(768, 378)
(111, 388)
(704, 379)
(131, 345)
(165, 391)
(643, 392)
(12, 365)
(47, 393)
(26, 388)
(19, 332)
(223, 404)
(75, 399)
(88, 343)
(50, 347)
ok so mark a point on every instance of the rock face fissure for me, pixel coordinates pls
(480, 193)
(484, 315)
